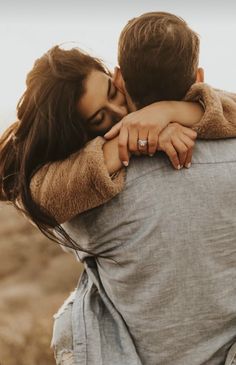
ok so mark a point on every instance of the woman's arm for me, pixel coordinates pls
(82, 182)
(211, 113)
(79, 183)
(219, 118)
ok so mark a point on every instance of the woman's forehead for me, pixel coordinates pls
(95, 96)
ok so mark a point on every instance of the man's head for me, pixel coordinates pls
(158, 58)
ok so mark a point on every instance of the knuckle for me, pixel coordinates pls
(126, 121)
(171, 153)
(163, 140)
(133, 123)
(121, 144)
(152, 143)
(191, 144)
(118, 126)
(175, 126)
(163, 146)
(183, 150)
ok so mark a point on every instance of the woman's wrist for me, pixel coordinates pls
(111, 156)
(183, 112)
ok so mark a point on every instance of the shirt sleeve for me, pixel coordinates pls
(219, 118)
(79, 183)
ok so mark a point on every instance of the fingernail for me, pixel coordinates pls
(178, 167)
(125, 163)
(151, 155)
(188, 165)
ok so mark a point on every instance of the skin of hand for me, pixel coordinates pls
(147, 124)
(141, 124)
(111, 156)
(175, 140)
(178, 142)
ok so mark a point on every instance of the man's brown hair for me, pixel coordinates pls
(158, 57)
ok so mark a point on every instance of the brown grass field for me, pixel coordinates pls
(35, 278)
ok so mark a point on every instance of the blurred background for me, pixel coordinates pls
(35, 278)
(35, 274)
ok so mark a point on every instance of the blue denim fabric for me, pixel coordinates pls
(90, 321)
(62, 340)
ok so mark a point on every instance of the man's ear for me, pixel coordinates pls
(200, 75)
(118, 80)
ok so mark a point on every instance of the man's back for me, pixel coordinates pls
(170, 240)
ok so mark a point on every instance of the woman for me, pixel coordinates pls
(70, 98)
(53, 124)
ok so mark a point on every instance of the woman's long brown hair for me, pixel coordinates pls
(49, 128)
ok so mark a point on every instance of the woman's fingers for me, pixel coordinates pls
(181, 149)
(189, 144)
(188, 160)
(114, 131)
(152, 142)
(177, 142)
(142, 141)
(172, 154)
(133, 138)
(123, 146)
(190, 133)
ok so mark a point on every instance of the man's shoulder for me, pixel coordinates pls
(215, 151)
(205, 152)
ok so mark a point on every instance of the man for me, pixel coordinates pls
(161, 290)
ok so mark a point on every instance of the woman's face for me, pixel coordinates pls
(102, 104)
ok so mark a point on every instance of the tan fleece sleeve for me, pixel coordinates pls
(81, 182)
(76, 184)
(219, 119)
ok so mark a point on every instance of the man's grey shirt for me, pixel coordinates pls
(168, 268)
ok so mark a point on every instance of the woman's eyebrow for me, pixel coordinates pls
(108, 93)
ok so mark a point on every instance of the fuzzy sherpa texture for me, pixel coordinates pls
(219, 119)
(81, 182)
(77, 184)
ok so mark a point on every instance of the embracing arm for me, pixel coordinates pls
(84, 180)
(216, 119)
(211, 113)
(219, 118)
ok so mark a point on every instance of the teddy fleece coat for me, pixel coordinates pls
(81, 182)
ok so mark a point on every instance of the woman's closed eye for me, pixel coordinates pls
(99, 119)
(101, 116)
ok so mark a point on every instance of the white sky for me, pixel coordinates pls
(29, 28)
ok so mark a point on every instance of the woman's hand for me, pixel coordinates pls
(145, 124)
(177, 142)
